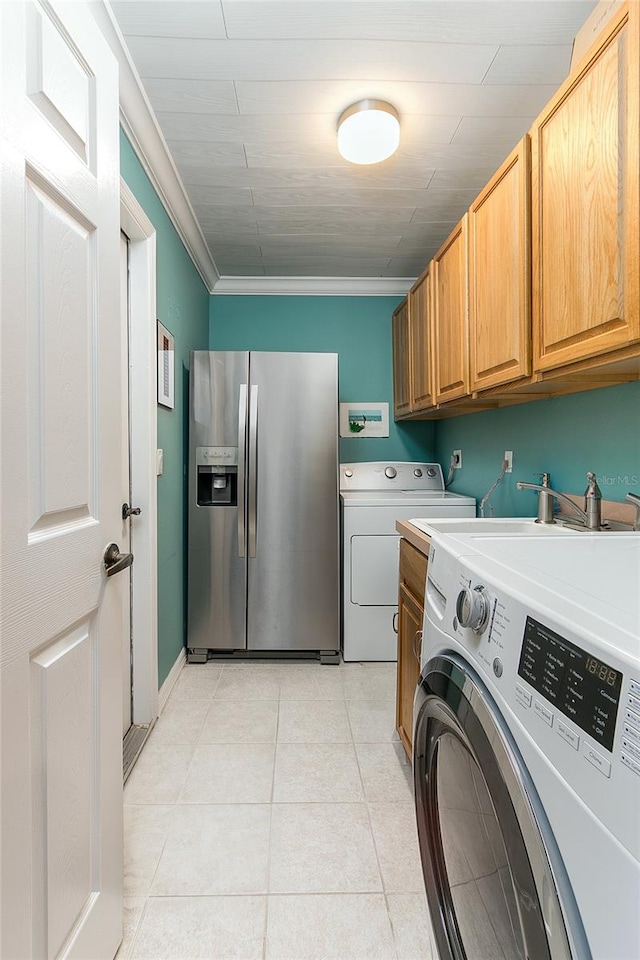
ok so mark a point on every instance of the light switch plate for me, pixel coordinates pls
(159, 463)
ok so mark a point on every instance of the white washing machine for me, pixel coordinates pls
(527, 747)
(373, 497)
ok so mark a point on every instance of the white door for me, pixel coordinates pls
(60, 496)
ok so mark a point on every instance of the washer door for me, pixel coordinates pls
(489, 884)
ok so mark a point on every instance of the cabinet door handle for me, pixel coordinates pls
(395, 622)
(417, 636)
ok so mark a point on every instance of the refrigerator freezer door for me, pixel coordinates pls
(217, 579)
(293, 588)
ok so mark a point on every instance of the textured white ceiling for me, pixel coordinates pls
(248, 92)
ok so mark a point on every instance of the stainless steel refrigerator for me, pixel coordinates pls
(263, 569)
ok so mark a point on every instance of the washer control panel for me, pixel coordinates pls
(582, 687)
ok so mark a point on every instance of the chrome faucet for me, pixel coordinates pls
(545, 502)
(590, 518)
(635, 500)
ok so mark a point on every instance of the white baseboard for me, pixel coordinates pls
(170, 682)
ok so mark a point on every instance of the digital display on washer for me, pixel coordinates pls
(584, 688)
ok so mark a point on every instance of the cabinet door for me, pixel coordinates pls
(419, 326)
(413, 576)
(585, 215)
(401, 361)
(410, 615)
(450, 308)
(500, 275)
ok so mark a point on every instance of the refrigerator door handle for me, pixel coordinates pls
(242, 443)
(253, 471)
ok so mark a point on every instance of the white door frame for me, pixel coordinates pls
(144, 437)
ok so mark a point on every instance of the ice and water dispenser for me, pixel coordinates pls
(217, 476)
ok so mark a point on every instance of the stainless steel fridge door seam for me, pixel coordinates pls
(242, 452)
(253, 471)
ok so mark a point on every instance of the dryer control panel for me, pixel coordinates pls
(382, 475)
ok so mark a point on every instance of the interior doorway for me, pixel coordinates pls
(138, 307)
(127, 522)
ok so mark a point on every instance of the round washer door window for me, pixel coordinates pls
(490, 887)
(475, 859)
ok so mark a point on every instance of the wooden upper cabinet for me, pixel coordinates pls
(450, 316)
(421, 358)
(500, 275)
(401, 361)
(585, 214)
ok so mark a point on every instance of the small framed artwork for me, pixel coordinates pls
(364, 419)
(166, 368)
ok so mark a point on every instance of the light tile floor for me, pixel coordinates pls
(270, 817)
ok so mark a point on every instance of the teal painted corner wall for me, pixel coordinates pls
(183, 307)
(597, 430)
(358, 329)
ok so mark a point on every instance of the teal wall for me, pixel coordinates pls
(597, 430)
(358, 329)
(183, 307)
(565, 436)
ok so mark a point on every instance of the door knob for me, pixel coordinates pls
(128, 511)
(114, 561)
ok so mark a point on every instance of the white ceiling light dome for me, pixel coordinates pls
(368, 131)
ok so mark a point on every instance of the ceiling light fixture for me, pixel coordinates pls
(368, 131)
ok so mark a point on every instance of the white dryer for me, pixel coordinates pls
(527, 747)
(373, 496)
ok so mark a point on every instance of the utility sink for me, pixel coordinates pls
(500, 525)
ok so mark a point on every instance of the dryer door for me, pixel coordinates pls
(490, 887)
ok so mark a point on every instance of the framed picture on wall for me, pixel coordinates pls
(364, 419)
(166, 367)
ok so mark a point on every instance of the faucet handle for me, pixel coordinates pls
(635, 500)
(545, 479)
(593, 490)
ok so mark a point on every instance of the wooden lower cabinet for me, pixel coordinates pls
(413, 575)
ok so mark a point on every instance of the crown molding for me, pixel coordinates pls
(143, 132)
(314, 286)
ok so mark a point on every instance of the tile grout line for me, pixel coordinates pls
(132, 945)
(382, 881)
(273, 780)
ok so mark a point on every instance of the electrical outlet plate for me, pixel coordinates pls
(508, 456)
(457, 459)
